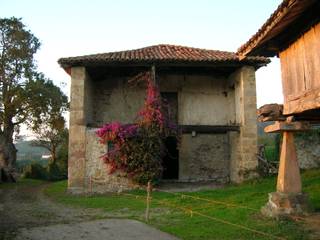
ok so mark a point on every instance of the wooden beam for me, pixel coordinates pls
(198, 128)
(306, 101)
(288, 127)
(208, 128)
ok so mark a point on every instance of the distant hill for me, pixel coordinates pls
(261, 126)
(265, 138)
(28, 152)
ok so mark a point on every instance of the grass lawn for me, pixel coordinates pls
(21, 182)
(185, 225)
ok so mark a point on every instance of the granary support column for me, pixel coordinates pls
(79, 118)
(243, 144)
(288, 199)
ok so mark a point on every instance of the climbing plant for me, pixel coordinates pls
(137, 149)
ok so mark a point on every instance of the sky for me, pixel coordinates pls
(78, 27)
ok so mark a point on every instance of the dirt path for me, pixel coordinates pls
(312, 224)
(26, 213)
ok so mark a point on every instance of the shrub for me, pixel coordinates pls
(35, 171)
(62, 158)
(54, 173)
(137, 149)
(21, 164)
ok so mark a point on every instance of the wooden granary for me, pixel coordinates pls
(293, 34)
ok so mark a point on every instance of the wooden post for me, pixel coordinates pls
(288, 199)
(149, 189)
(289, 180)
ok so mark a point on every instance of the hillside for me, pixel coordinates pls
(28, 152)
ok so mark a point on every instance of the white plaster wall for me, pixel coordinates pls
(202, 100)
(115, 100)
(205, 101)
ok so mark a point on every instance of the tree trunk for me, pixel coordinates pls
(53, 154)
(8, 152)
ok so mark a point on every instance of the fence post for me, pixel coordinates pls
(149, 189)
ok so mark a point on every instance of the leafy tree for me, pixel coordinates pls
(47, 121)
(17, 67)
(25, 95)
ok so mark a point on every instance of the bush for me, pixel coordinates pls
(54, 173)
(51, 172)
(35, 171)
(137, 149)
(62, 159)
(21, 164)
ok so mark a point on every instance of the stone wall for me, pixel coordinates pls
(115, 100)
(307, 145)
(98, 179)
(308, 150)
(204, 157)
(202, 100)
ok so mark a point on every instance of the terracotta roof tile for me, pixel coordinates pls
(160, 53)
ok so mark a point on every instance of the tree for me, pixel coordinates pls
(17, 67)
(47, 121)
(56, 141)
(62, 155)
(23, 91)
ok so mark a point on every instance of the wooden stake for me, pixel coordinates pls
(149, 189)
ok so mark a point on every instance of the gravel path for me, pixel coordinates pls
(26, 213)
(120, 229)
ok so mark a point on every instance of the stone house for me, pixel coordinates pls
(212, 95)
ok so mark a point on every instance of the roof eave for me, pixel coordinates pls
(67, 65)
(266, 41)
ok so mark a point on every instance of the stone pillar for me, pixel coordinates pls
(243, 145)
(77, 131)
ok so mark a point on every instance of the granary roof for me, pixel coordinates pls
(162, 53)
(288, 22)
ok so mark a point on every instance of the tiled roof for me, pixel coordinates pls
(160, 54)
(285, 14)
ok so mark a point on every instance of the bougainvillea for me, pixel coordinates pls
(137, 149)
